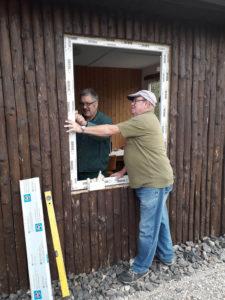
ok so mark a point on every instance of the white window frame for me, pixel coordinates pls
(163, 50)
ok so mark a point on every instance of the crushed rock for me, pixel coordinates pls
(198, 273)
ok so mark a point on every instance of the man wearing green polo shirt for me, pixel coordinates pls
(150, 174)
(92, 151)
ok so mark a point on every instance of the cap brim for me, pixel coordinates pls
(132, 96)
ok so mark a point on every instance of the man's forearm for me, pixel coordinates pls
(123, 171)
(99, 130)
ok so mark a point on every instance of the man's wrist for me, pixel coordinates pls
(82, 128)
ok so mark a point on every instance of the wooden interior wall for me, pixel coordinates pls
(34, 143)
(112, 85)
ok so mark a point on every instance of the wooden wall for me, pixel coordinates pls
(34, 143)
(104, 228)
(112, 85)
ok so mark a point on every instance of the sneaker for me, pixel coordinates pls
(166, 263)
(169, 263)
(131, 276)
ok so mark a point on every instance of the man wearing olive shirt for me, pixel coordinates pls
(150, 175)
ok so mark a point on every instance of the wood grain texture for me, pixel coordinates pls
(100, 228)
(12, 209)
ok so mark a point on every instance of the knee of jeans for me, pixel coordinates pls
(145, 231)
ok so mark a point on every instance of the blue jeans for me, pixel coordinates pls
(154, 231)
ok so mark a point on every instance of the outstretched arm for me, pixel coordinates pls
(99, 130)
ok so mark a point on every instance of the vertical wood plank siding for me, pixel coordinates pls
(100, 228)
(11, 203)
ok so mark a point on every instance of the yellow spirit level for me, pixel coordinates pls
(57, 245)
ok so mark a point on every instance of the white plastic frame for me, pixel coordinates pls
(69, 41)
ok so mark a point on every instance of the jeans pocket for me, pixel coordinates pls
(148, 197)
(169, 188)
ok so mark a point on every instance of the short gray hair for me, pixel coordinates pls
(89, 92)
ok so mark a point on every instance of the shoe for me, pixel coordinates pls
(169, 263)
(131, 276)
(166, 263)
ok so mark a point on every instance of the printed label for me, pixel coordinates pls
(35, 237)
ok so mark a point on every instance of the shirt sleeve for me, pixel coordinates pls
(132, 127)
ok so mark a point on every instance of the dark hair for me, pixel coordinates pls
(89, 92)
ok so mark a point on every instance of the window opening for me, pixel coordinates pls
(81, 52)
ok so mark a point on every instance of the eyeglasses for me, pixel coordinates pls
(135, 101)
(87, 103)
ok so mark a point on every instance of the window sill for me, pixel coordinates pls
(110, 182)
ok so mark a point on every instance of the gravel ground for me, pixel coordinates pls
(208, 283)
(198, 273)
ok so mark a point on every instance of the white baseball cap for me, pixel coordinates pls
(147, 95)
